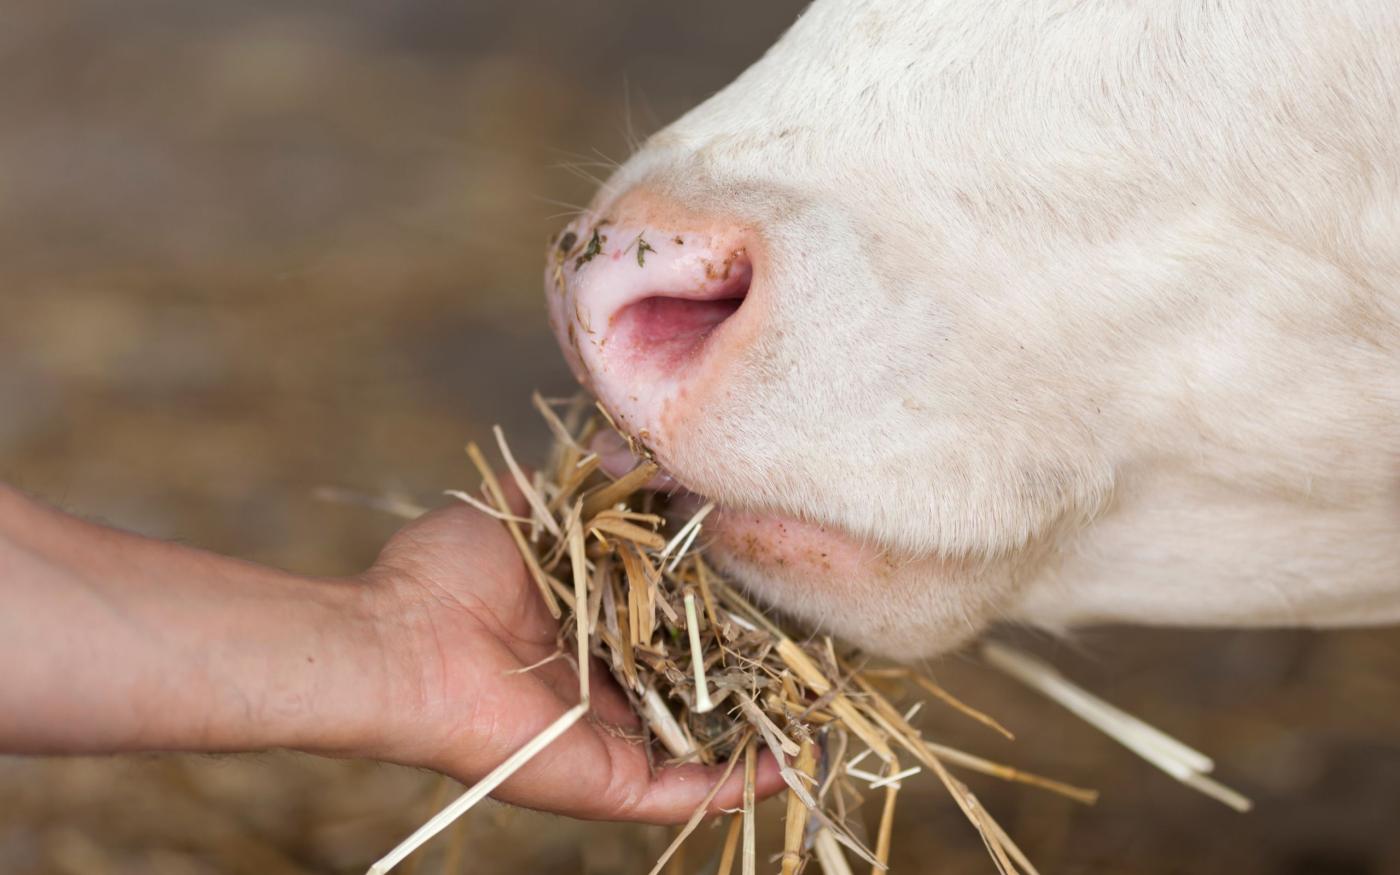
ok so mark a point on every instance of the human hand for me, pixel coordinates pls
(460, 619)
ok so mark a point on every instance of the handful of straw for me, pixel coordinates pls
(713, 678)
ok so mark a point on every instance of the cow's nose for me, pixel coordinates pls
(641, 308)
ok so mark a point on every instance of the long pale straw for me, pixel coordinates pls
(829, 855)
(749, 859)
(579, 561)
(532, 497)
(703, 702)
(481, 789)
(1046, 679)
(1187, 765)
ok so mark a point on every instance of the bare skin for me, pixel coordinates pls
(113, 642)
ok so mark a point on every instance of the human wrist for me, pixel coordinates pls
(263, 659)
(327, 684)
(398, 699)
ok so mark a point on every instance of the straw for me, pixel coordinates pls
(711, 675)
(1183, 763)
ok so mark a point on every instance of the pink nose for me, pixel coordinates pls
(643, 308)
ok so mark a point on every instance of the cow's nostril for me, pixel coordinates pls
(677, 324)
(666, 330)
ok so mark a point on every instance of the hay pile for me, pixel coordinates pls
(713, 678)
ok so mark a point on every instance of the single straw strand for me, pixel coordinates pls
(703, 703)
(619, 489)
(493, 489)
(481, 789)
(1007, 773)
(959, 705)
(663, 723)
(829, 854)
(795, 829)
(1161, 750)
(532, 497)
(894, 779)
(580, 569)
(555, 424)
(731, 843)
(1045, 679)
(478, 504)
(391, 504)
(750, 760)
(884, 838)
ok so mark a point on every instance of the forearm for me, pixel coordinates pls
(113, 642)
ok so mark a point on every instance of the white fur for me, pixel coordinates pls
(1085, 311)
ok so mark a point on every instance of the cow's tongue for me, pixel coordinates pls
(616, 459)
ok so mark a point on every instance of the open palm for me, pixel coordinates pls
(468, 619)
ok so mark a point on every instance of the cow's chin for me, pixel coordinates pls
(833, 582)
(828, 579)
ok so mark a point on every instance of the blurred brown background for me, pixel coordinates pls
(248, 249)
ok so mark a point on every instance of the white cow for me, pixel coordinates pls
(1048, 312)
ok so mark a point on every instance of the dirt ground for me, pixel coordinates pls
(249, 249)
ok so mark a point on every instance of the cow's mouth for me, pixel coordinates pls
(756, 543)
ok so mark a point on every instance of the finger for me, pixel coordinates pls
(674, 792)
(593, 774)
(515, 499)
(591, 771)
